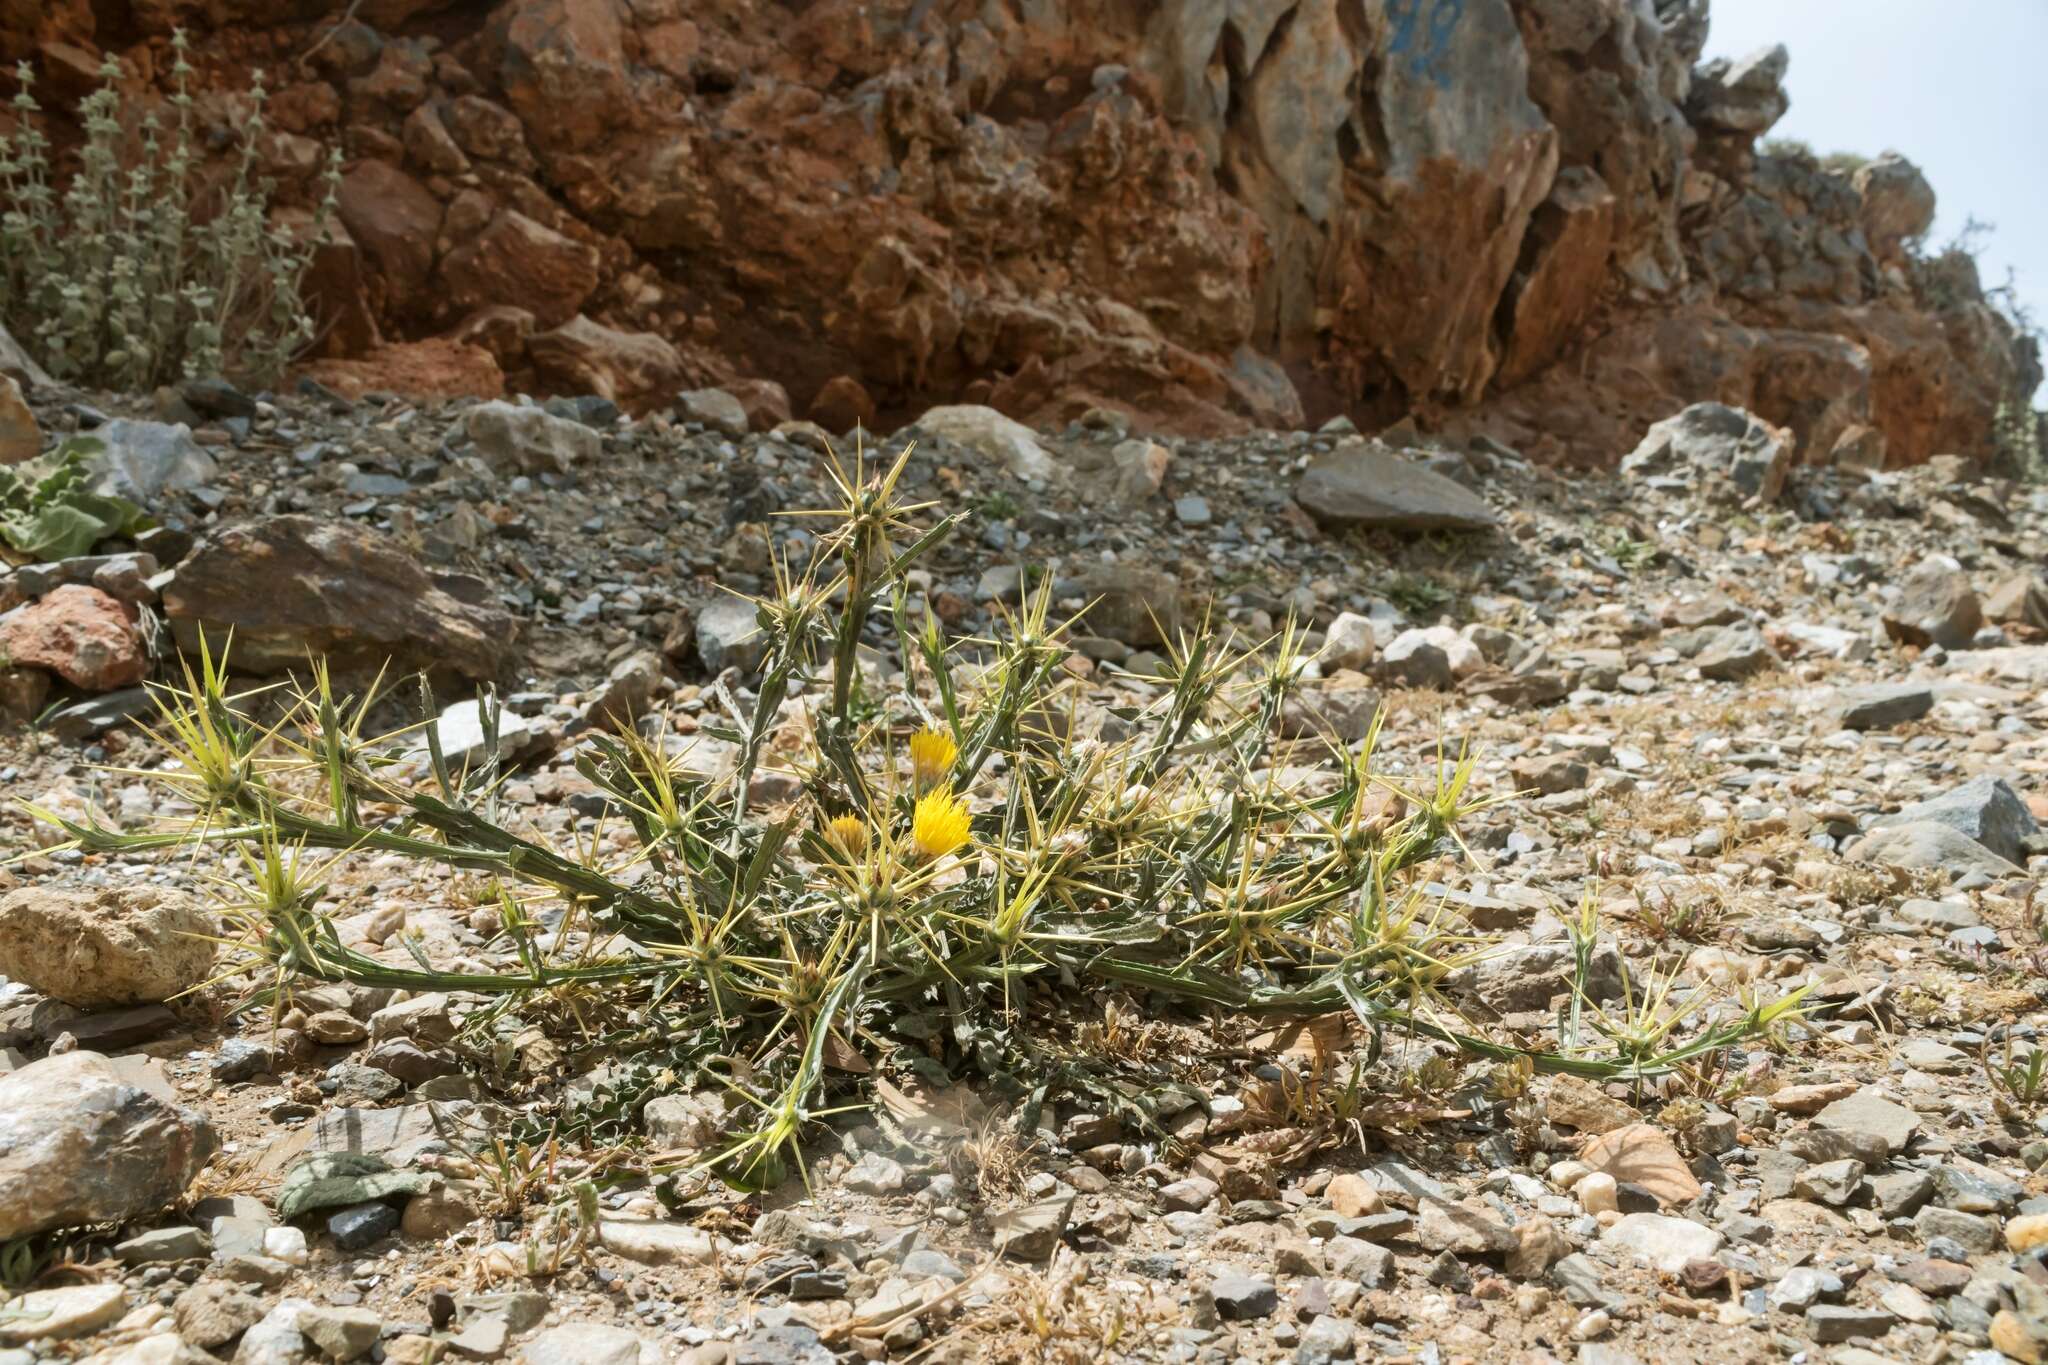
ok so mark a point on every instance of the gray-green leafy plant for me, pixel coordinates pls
(125, 277)
(48, 509)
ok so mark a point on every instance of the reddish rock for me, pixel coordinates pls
(428, 144)
(843, 404)
(305, 107)
(1206, 216)
(1567, 253)
(336, 292)
(766, 402)
(84, 636)
(521, 262)
(500, 329)
(563, 68)
(487, 130)
(395, 221)
(438, 367)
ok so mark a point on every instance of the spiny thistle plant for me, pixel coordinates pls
(963, 888)
(125, 279)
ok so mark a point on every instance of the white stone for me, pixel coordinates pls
(1666, 1242)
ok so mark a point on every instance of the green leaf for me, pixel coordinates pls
(48, 508)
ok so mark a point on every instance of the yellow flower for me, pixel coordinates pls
(932, 753)
(849, 835)
(939, 824)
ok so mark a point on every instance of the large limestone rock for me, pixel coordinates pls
(512, 438)
(637, 370)
(1365, 484)
(1396, 201)
(86, 1140)
(1741, 94)
(293, 586)
(1936, 606)
(1717, 446)
(142, 461)
(96, 947)
(1898, 204)
(1004, 443)
(1984, 809)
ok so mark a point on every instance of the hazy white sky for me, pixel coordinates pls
(1954, 84)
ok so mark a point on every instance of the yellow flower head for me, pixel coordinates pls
(939, 824)
(932, 753)
(849, 835)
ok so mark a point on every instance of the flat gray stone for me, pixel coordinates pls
(1984, 809)
(1930, 845)
(1883, 705)
(1368, 485)
(1868, 1112)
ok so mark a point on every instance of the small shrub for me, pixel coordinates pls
(963, 889)
(1417, 595)
(125, 279)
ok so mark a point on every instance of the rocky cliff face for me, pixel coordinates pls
(1542, 218)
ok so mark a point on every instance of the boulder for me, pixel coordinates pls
(141, 461)
(1735, 652)
(96, 947)
(729, 635)
(1725, 448)
(1666, 1242)
(714, 408)
(637, 370)
(843, 403)
(89, 638)
(2020, 600)
(395, 221)
(72, 1310)
(515, 439)
(1367, 485)
(293, 586)
(1929, 845)
(516, 260)
(589, 1343)
(1984, 809)
(1349, 642)
(437, 367)
(562, 66)
(1138, 605)
(1936, 606)
(85, 1140)
(765, 402)
(1008, 444)
(1881, 706)
(1743, 95)
(1898, 204)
